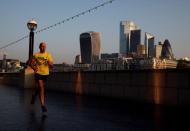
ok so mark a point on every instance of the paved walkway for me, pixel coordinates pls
(67, 112)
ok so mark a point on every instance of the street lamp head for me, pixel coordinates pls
(32, 25)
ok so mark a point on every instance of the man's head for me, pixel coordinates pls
(42, 47)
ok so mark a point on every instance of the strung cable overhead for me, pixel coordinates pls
(14, 42)
(60, 22)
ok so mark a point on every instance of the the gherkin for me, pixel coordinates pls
(167, 50)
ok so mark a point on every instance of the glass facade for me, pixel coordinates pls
(90, 47)
(149, 43)
(135, 40)
(130, 37)
(167, 50)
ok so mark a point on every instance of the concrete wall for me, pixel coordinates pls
(12, 79)
(169, 87)
(23, 79)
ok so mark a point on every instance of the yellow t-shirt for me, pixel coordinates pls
(41, 62)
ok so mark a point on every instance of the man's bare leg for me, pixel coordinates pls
(42, 95)
(36, 92)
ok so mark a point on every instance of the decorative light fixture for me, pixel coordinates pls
(32, 25)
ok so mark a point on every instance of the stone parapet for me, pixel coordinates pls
(167, 87)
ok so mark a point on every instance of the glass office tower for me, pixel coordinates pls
(167, 52)
(135, 40)
(90, 47)
(149, 44)
(130, 37)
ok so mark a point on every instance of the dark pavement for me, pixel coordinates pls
(68, 112)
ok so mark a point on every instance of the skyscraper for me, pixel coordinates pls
(149, 44)
(90, 47)
(167, 50)
(130, 37)
(158, 50)
(77, 59)
(141, 50)
(135, 40)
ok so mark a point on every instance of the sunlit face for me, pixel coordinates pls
(42, 47)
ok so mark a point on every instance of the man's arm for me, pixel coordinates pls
(50, 63)
(32, 64)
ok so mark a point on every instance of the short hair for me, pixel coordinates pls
(42, 43)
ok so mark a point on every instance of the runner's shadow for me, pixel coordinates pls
(36, 123)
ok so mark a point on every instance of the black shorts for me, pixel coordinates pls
(40, 77)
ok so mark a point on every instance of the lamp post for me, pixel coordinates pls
(32, 25)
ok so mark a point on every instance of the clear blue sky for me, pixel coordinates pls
(165, 19)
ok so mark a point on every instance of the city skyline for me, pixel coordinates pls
(165, 19)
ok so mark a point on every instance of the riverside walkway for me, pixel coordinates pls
(68, 112)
